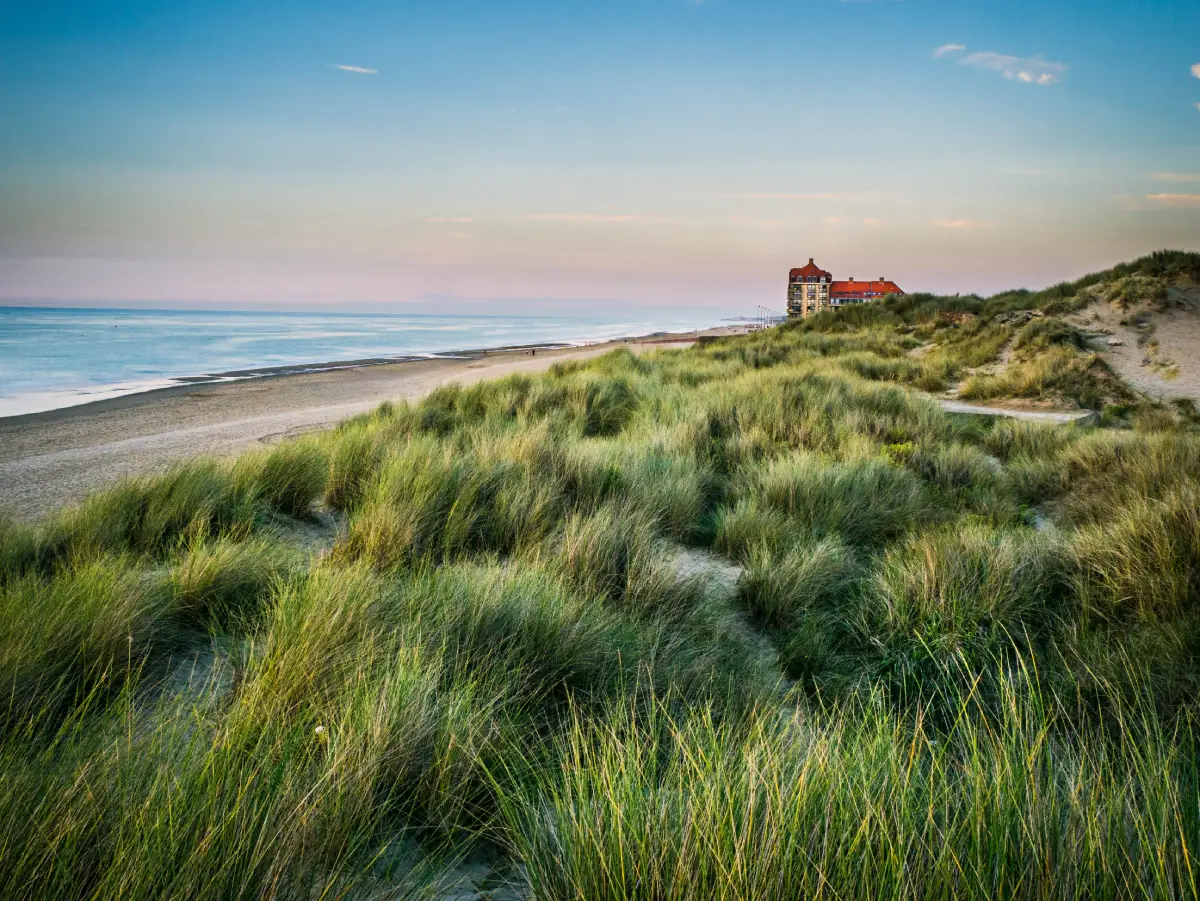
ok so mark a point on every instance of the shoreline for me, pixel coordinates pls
(54, 458)
(185, 383)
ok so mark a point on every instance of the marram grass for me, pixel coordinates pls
(957, 658)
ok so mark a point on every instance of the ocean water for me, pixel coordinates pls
(53, 358)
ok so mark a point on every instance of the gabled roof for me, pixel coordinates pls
(860, 289)
(811, 269)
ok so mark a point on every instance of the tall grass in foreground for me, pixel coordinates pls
(992, 628)
(62, 638)
(151, 803)
(855, 802)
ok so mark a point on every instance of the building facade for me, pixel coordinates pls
(811, 290)
(808, 289)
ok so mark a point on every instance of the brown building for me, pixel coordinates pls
(811, 289)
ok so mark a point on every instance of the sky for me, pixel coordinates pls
(508, 155)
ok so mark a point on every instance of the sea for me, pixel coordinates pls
(55, 358)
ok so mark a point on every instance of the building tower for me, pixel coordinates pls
(808, 289)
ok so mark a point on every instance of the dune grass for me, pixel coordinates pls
(857, 802)
(959, 661)
(1061, 372)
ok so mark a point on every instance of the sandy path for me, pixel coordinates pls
(958, 406)
(48, 460)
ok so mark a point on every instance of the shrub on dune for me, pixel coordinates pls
(1009, 438)
(672, 490)
(287, 479)
(1083, 379)
(20, 549)
(146, 516)
(602, 406)
(750, 525)
(881, 369)
(220, 585)
(1041, 334)
(779, 589)
(355, 454)
(527, 624)
(975, 482)
(866, 502)
(113, 521)
(194, 498)
(438, 413)
(427, 502)
(1144, 562)
(617, 554)
(802, 596)
(949, 602)
(412, 740)
(309, 638)
(173, 808)
(1106, 471)
(93, 623)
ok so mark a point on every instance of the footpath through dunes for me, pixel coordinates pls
(52, 459)
(1058, 416)
(752, 619)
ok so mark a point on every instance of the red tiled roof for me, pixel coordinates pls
(863, 289)
(811, 269)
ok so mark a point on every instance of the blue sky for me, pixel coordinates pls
(654, 152)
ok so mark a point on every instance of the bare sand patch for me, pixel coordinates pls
(1161, 357)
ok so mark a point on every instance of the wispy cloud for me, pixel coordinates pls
(539, 217)
(1186, 201)
(1196, 70)
(761, 223)
(960, 223)
(357, 70)
(831, 196)
(579, 217)
(1175, 176)
(868, 221)
(1028, 70)
(1024, 69)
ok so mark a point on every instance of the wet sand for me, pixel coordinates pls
(48, 460)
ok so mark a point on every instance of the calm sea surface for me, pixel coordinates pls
(52, 358)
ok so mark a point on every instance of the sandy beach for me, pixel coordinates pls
(52, 459)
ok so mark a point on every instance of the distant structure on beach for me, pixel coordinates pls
(811, 289)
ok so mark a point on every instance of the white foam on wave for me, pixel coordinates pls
(43, 401)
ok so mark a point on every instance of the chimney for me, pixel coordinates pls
(810, 261)
(882, 278)
(852, 278)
